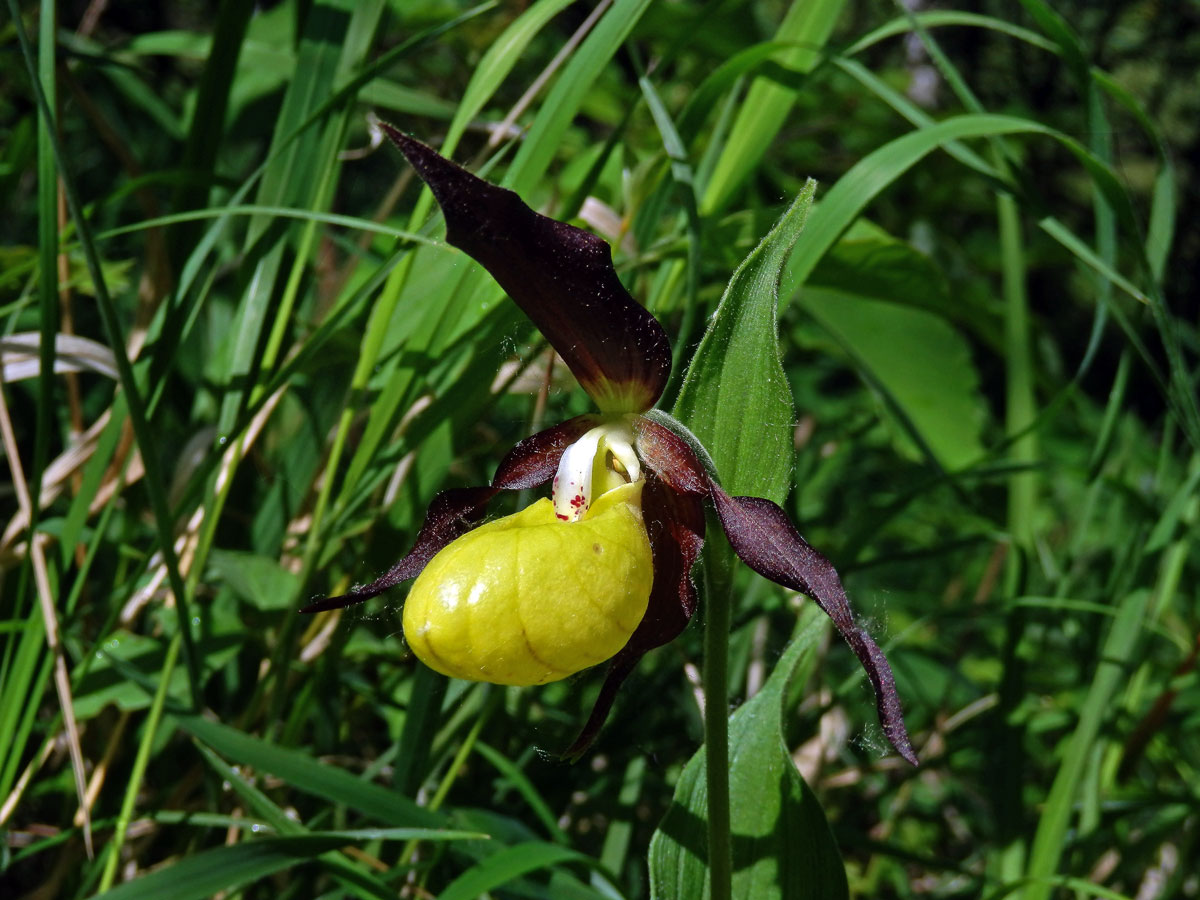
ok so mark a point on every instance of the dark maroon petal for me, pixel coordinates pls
(765, 539)
(451, 514)
(675, 525)
(670, 457)
(618, 670)
(534, 460)
(560, 275)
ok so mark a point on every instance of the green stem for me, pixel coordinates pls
(1020, 414)
(460, 757)
(421, 719)
(133, 785)
(1020, 408)
(47, 260)
(716, 721)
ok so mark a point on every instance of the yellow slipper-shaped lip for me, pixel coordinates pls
(529, 599)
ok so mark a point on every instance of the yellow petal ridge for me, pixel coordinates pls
(529, 599)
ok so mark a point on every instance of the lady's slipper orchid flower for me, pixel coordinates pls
(602, 569)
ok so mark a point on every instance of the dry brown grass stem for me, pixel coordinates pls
(96, 782)
(502, 130)
(41, 577)
(57, 477)
(187, 542)
(18, 791)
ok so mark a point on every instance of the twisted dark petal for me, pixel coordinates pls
(453, 513)
(765, 539)
(560, 275)
(618, 670)
(675, 524)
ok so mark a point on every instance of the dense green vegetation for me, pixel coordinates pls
(267, 362)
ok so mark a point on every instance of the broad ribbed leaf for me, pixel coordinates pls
(782, 846)
(919, 365)
(736, 398)
(561, 276)
(886, 306)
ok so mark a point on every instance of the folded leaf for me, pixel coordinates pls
(736, 398)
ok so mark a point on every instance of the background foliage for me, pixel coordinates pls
(266, 364)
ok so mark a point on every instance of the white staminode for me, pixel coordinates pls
(585, 471)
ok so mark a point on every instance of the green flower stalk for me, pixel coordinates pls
(599, 571)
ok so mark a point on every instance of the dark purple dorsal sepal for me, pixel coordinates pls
(765, 539)
(561, 276)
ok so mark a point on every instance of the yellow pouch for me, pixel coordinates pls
(529, 599)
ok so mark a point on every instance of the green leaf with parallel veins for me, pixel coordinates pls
(888, 308)
(736, 398)
(309, 775)
(918, 363)
(782, 846)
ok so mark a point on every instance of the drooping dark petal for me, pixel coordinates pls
(675, 525)
(765, 539)
(451, 514)
(560, 275)
(618, 670)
